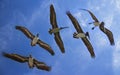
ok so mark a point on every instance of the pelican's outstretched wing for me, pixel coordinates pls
(92, 15)
(59, 42)
(108, 33)
(54, 25)
(25, 31)
(89, 46)
(45, 46)
(79, 30)
(16, 57)
(53, 17)
(41, 65)
(75, 22)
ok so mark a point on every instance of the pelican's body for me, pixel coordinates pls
(55, 30)
(101, 27)
(96, 23)
(30, 62)
(79, 35)
(34, 41)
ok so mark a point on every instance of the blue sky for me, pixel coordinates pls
(76, 61)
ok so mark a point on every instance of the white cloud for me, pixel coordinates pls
(80, 18)
(36, 14)
(101, 39)
(116, 56)
(117, 3)
(39, 12)
(108, 20)
(117, 45)
(6, 34)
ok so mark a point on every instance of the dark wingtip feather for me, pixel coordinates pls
(83, 9)
(17, 27)
(51, 6)
(48, 68)
(52, 53)
(67, 12)
(113, 43)
(63, 51)
(93, 56)
(5, 54)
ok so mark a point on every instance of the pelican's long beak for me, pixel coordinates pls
(63, 27)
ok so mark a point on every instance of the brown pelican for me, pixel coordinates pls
(31, 61)
(81, 34)
(96, 21)
(101, 26)
(55, 29)
(35, 39)
(107, 32)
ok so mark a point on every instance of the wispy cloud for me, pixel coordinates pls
(39, 12)
(116, 55)
(80, 17)
(6, 34)
(117, 3)
(108, 20)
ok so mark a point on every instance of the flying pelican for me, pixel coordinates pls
(102, 28)
(35, 39)
(55, 29)
(96, 21)
(81, 34)
(30, 60)
(107, 32)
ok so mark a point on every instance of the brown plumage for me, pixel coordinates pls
(102, 28)
(96, 21)
(23, 59)
(92, 15)
(57, 36)
(39, 42)
(108, 33)
(79, 30)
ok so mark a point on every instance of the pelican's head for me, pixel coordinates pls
(30, 56)
(37, 35)
(102, 23)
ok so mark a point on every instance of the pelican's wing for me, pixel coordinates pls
(75, 22)
(25, 31)
(16, 57)
(79, 30)
(53, 17)
(89, 46)
(59, 42)
(108, 33)
(91, 14)
(41, 65)
(45, 46)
